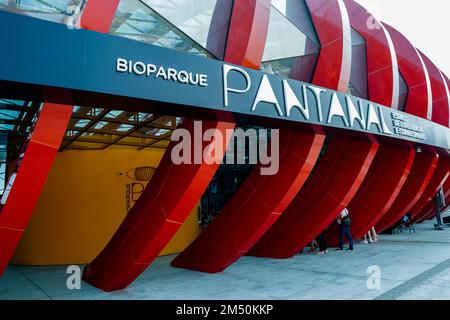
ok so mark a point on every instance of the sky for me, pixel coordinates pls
(426, 23)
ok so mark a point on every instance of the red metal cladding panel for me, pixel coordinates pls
(440, 175)
(256, 206)
(31, 176)
(175, 189)
(447, 190)
(440, 111)
(334, 62)
(381, 58)
(427, 213)
(248, 31)
(447, 89)
(157, 215)
(383, 183)
(98, 15)
(412, 70)
(421, 172)
(333, 184)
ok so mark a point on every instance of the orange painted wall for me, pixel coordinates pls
(83, 203)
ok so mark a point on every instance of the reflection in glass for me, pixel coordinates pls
(358, 77)
(403, 93)
(137, 21)
(290, 51)
(61, 11)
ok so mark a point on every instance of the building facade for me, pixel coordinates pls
(92, 91)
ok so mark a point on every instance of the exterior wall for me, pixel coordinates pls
(82, 205)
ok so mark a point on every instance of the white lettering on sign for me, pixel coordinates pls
(160, 72)
(403, 127)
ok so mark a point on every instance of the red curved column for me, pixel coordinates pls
(333, 184)
(382, 65)
(334, 62)
(175, 189)
(447, 190)
(31, 176)
(42, 149)
(414, 74)
(440, 111)
(383, 183)
(258, 203)
(155, 218)
(248, 31)
(440, 175)
(415, 185)
(427, 213)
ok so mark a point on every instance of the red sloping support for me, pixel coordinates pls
(42, 149)
(175, 189)
(440, 175)
(256, 206)
(384, 181)
(427, 213)
(421, 173)
(31, 176)
(330, 188)
(155, 218)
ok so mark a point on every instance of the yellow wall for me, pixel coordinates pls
(83, 203)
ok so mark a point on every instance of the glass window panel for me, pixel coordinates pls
(113, 114)
(297, 12)
(53, 10)
(9, 114)
(6, 127)
(298, 68)
(140, 117)
(125, 127)
(358, 75)
(137, 21)
(82, 123)
(71, 133)
(403, 91)
(193, 18)
(87, 111)
(285, 40)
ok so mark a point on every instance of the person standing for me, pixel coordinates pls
(344, 229)
(321, 239)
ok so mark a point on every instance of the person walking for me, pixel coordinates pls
(344, 229)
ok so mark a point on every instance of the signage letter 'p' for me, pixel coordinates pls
(226, 89)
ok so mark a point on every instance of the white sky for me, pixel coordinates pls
(426, 23)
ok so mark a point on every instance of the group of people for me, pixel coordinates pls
(344, 223)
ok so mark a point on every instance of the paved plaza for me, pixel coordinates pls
(411, 266)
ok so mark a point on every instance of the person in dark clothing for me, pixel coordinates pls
(344, 230)
(321, 240)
